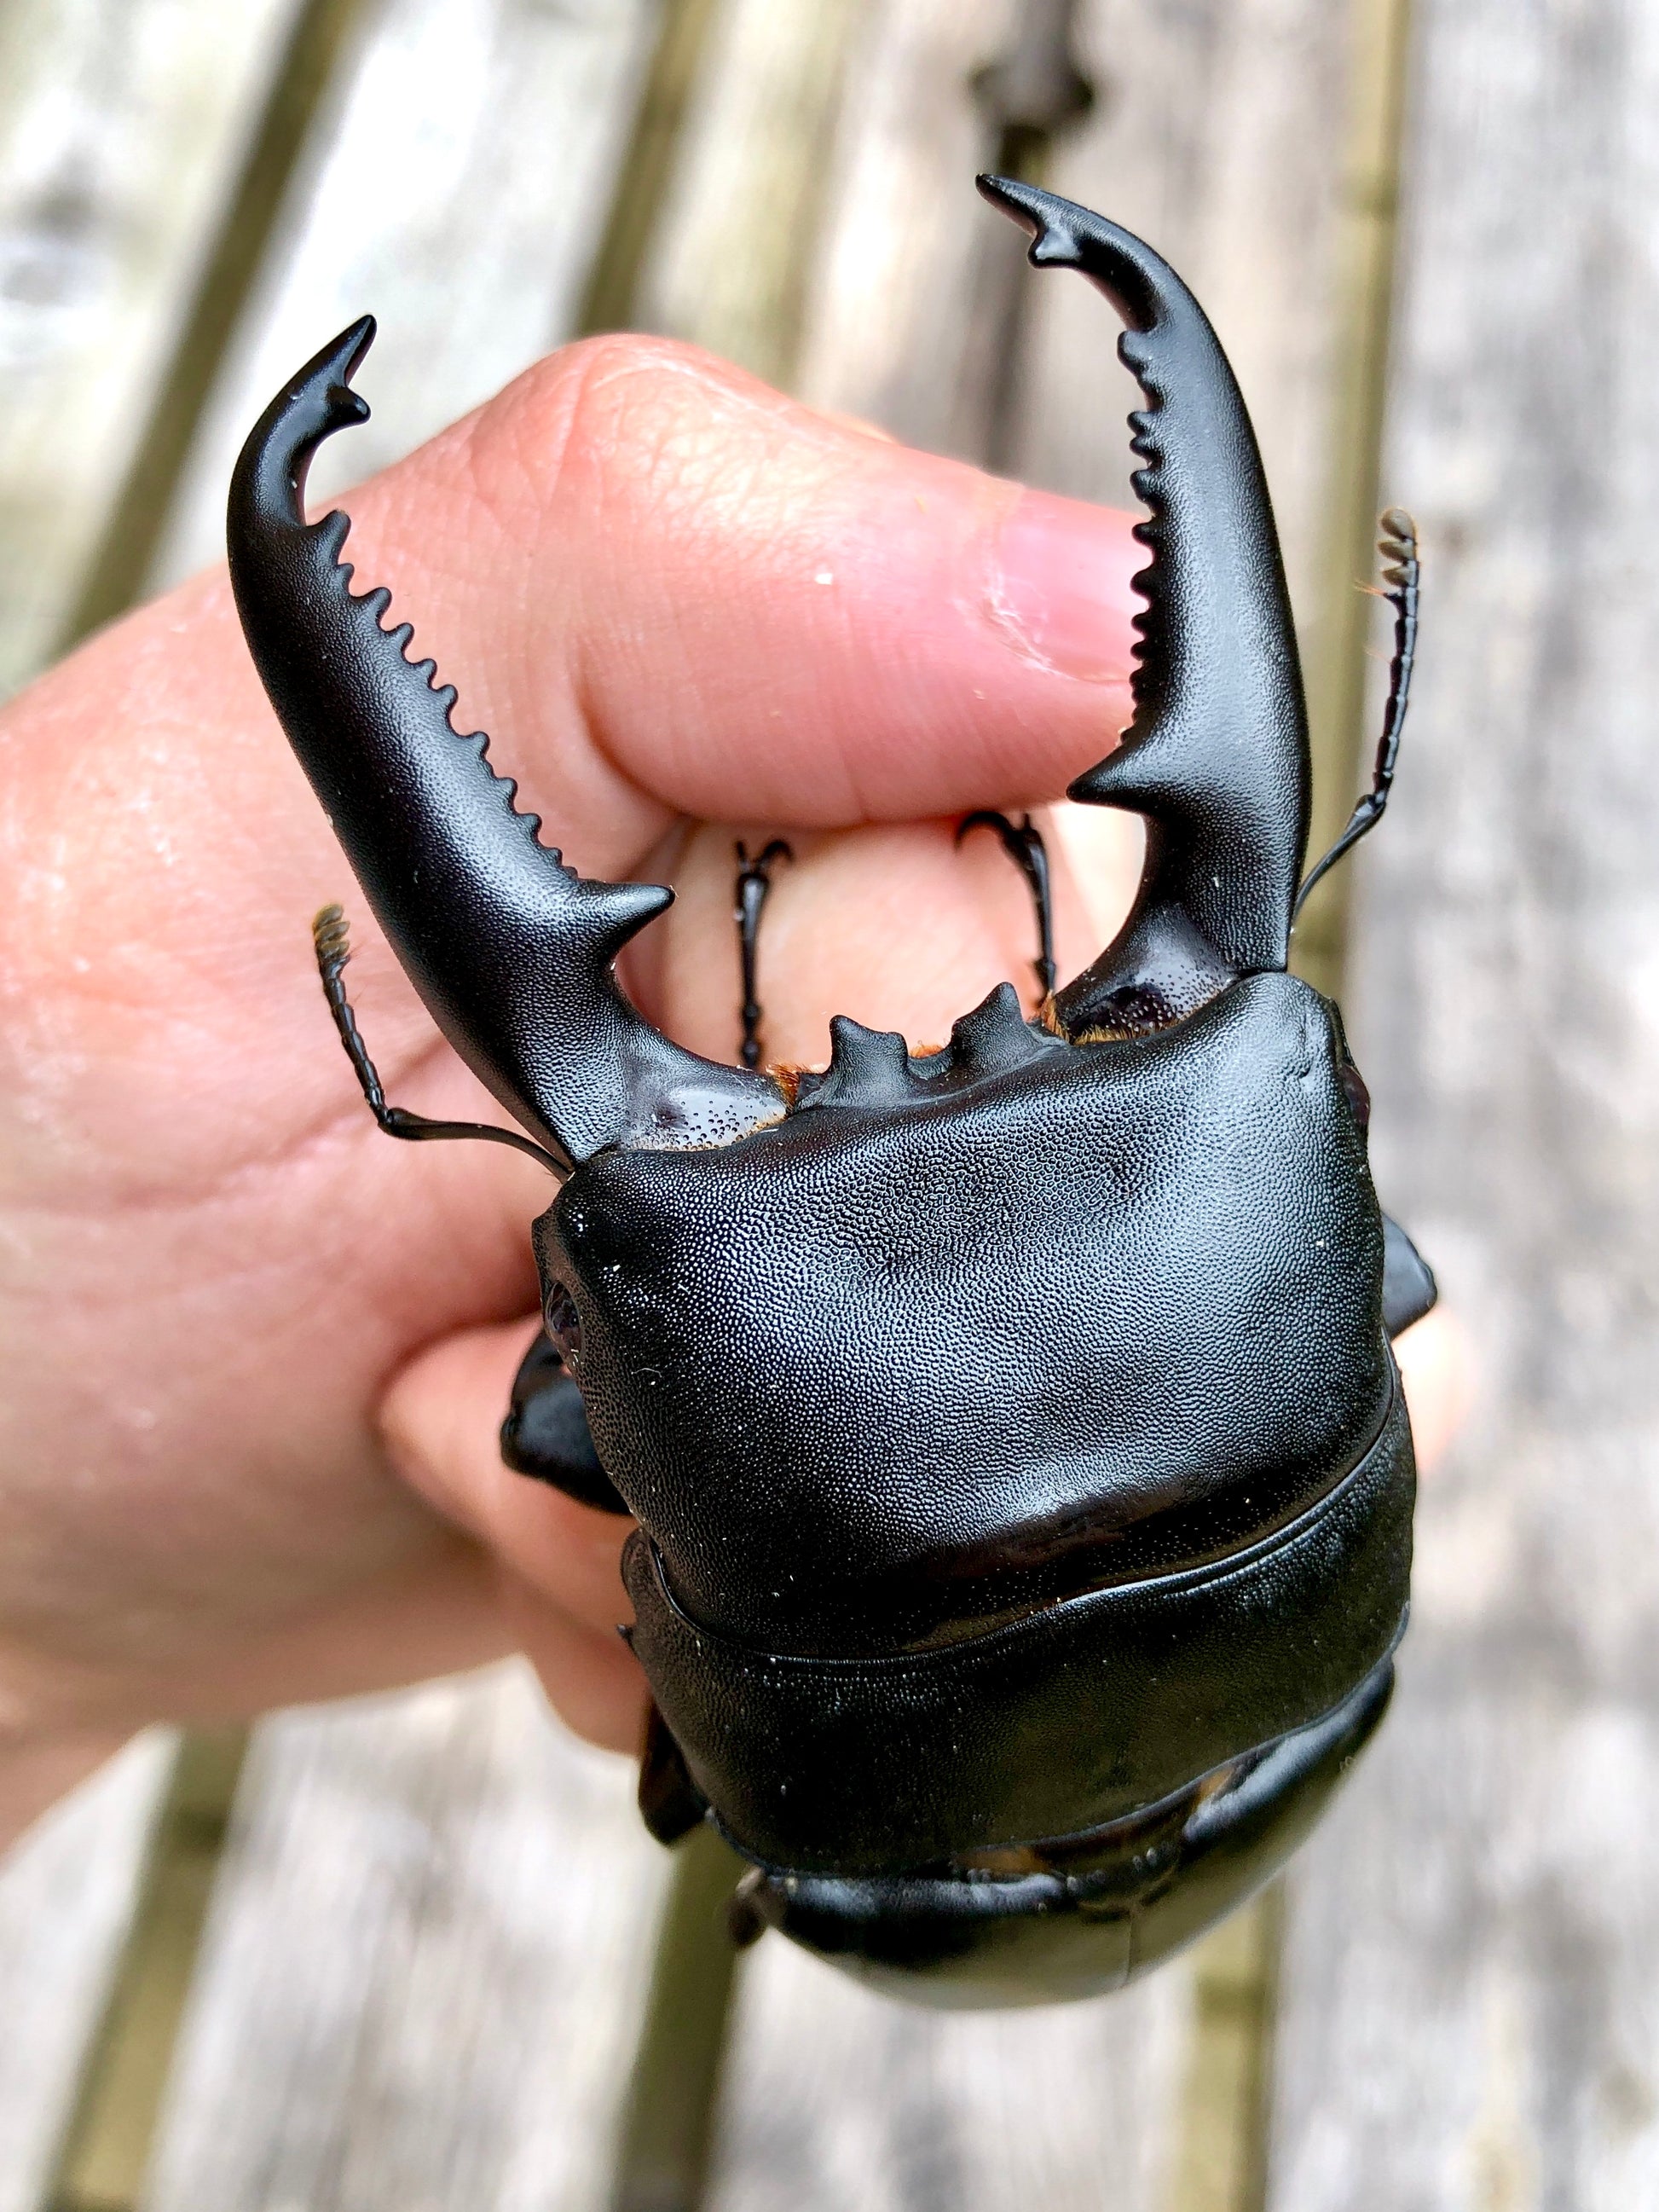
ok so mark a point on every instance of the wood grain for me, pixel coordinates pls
(1217, 136)
(732, 250)
(321, 33)
(124, 128)
(421, 1978)
(842, 2101)
(456, 188)
(1470, 2017)
(66, 1895)
(666, 2127)
(1341, 630)
(107, 2144)
(889, 325)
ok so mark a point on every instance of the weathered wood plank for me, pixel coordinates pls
(840, 2099)
(667, 2127)
(731, 253)
(456, 188)
(66, 1895)
(1470, 2015)
(422, 1973)
(106, 2145)
(123, 130)
(889, 329)
(1339, 622)
(1217, 136)
(419, 1982)
(1219, 132)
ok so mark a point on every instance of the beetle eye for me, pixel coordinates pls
(1354, 1083)
(564, 1326)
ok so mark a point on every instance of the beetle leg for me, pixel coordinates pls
(1398, 546)
(1023, 843)
(671, 1803)
(546, 1436)
(754, 882)
(331, 936)
(1408, 1286)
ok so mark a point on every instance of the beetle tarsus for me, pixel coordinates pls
(1398, 546)
(1023, 842)
(331, 936)
(754, 882)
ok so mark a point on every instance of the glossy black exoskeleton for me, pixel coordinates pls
(1020, 1562)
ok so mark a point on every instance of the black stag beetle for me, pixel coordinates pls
(1024, 1487)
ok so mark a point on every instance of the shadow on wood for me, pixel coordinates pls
(667, 2124)
(106, 2146)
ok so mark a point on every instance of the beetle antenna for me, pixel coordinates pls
(1398, 546)
(1023, 842)
(331, 935)
(754, 882)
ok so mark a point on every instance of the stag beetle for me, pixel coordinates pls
(1020, 1560)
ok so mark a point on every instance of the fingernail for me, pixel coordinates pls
(1060, 587)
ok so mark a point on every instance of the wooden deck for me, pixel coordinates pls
(414, 1954)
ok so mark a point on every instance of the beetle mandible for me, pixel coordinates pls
(1020, 1560)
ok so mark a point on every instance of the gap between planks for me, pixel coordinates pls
(126, 558)
(1340, 656)
(1470, 2002)
(107, 2144)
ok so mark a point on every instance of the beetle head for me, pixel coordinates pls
(1014, 1442)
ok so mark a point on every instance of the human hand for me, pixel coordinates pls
(256, 1356)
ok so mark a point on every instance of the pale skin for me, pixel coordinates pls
(254, 1355)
